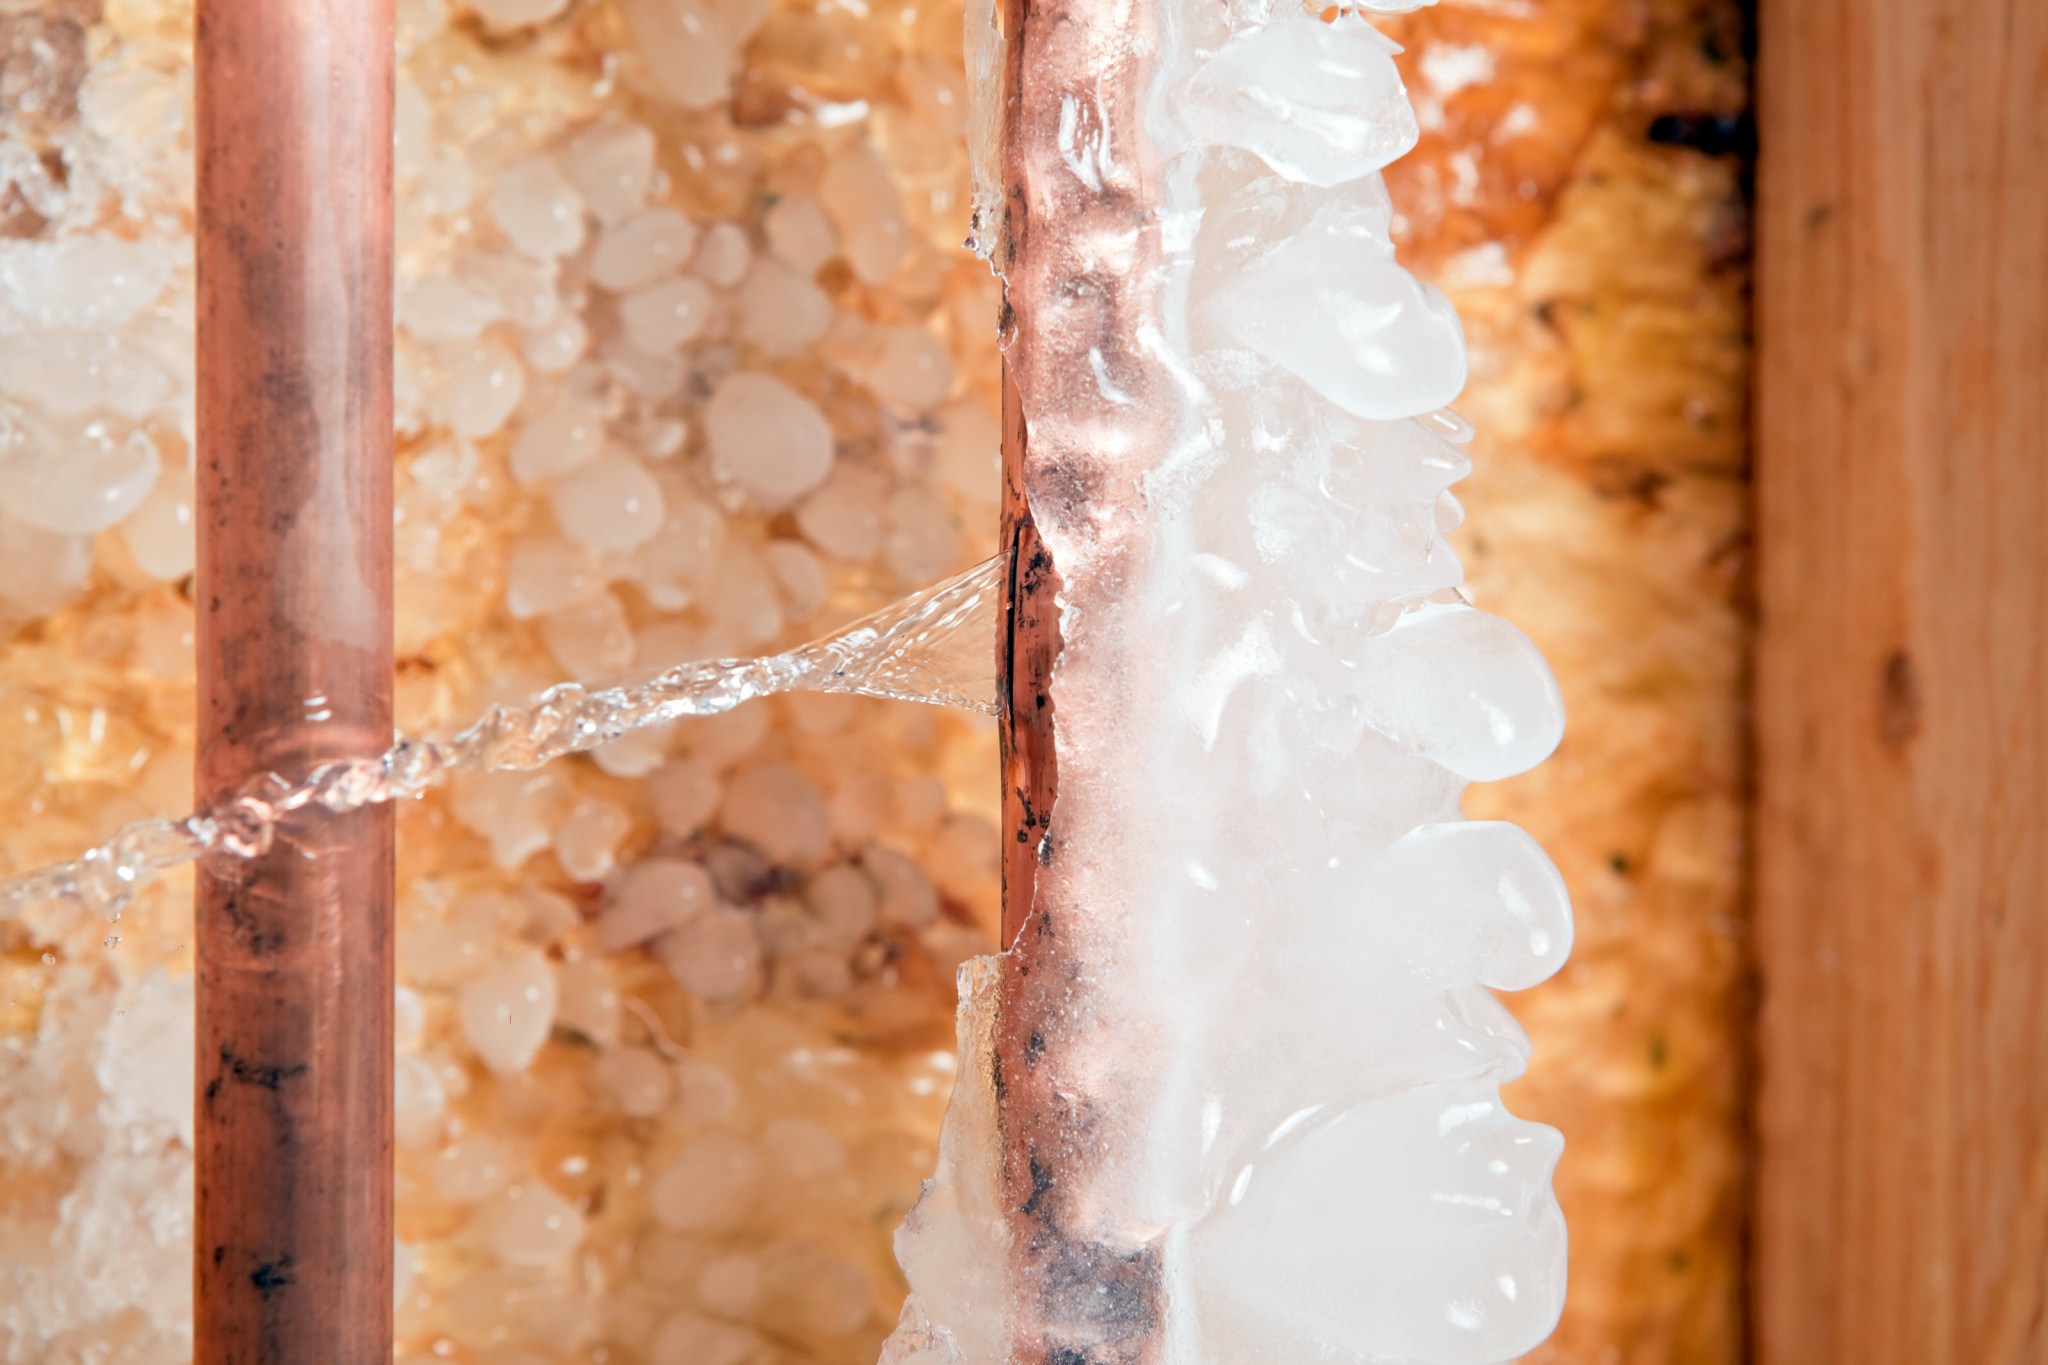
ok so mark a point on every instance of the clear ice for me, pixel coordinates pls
(933, 646)
(1232, 1097)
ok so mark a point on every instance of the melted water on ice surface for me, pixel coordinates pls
(935, 646)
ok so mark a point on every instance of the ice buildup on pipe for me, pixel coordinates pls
(1232, 1095)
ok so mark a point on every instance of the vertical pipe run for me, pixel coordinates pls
(1078, 245)
(293, 1243)
(1029, 640)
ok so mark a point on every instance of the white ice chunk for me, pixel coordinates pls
(692, 47)
(1476, 899)
(87, 283)
(73, 478)
(1331, 305)
(1466, 689)
(1421, 1228)
(506, 1013)
(1319, 103)
(954, 1245)
(1391, 461)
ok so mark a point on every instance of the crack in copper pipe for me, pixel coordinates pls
(293, 1238)
(1029, 645)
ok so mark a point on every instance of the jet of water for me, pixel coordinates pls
(936, 646)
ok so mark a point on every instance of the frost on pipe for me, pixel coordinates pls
(1233, 1093)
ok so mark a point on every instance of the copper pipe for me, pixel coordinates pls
(293, 1244)
(1030, 643)
(1075, 249)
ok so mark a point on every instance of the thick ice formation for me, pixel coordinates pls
(100, 1095)
(1233, 1095)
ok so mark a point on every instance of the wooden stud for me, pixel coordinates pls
(1902, 687)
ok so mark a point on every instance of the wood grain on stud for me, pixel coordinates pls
(1902, 685)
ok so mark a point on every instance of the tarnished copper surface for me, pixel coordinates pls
(1079, 234)
(293, 1241)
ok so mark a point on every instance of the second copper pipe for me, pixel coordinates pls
(293, 1241)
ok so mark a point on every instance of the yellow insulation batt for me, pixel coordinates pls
(1579, 192)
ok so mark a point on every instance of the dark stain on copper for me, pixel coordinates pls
(270, 1078)
(272, 1276)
